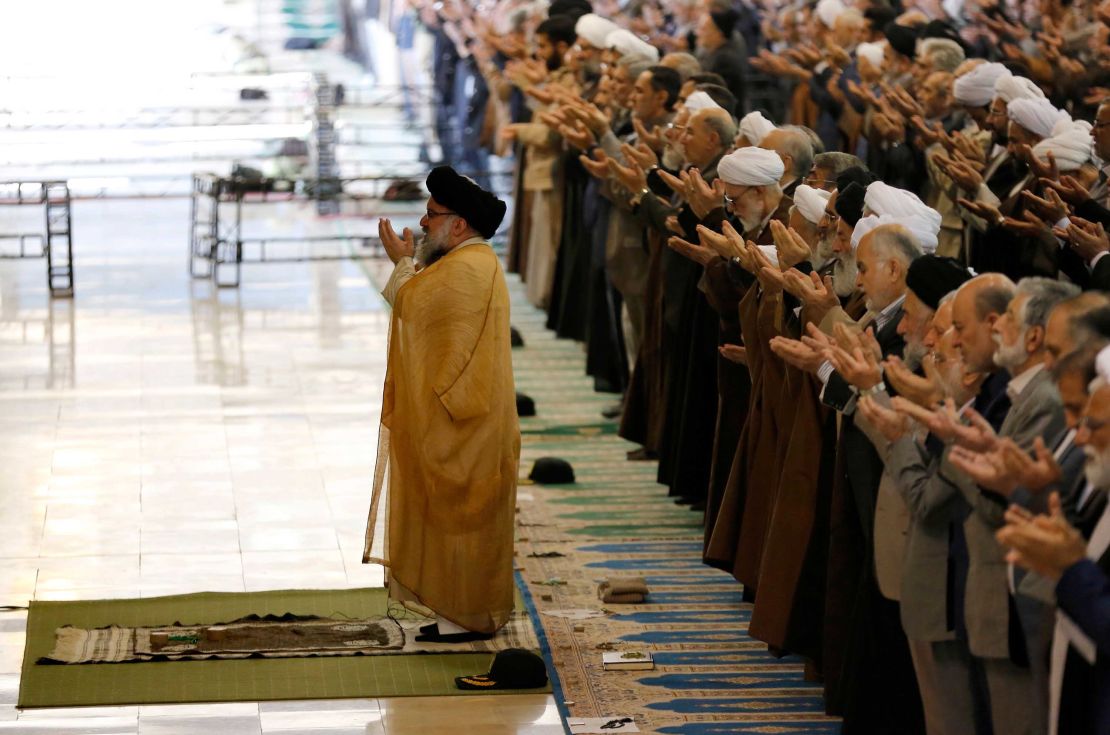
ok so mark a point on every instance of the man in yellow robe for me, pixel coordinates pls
(449, 444)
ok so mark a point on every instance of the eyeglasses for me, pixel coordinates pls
(432, 215)
(1092, 425)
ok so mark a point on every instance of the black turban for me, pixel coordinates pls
(858, 174)
(849, 203)
(482, 210)
(725, 20)
(573, 8)
(932, 277)
(902, 39)
(878, 16)
(940, 29)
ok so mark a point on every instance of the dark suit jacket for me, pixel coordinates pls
(1083, 592)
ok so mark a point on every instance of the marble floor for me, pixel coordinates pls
(159, 437)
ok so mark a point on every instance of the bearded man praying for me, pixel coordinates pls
(441, 515)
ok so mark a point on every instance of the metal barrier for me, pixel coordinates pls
(218, 249)
(55, 243)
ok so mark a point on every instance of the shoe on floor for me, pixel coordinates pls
(466, 637)
(612, 412)
(641, 455)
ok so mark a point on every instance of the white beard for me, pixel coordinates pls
(1009, 357)
(1097, 467)
(673, 157)
(844, 275)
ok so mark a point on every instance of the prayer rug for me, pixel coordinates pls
(710, 677)
(385, 674)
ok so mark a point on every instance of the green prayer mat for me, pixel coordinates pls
(250, 680)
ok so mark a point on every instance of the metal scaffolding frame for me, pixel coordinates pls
(218, 249)
(55, 242)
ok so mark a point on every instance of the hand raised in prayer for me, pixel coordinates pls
(985, 210)
(1030, 225)
(919, 389)
(1051, 208)
(1069, 189)
(976, 435)
(697, 253)
(596, 119)
(631, 177)
(641, 155)
(941, 420)
(555, 119)
(734, 353)
(543, 95)
(676, 183)
(791, 248)
(891, 424)
(653, 138)
(598, 166)
(813, 291)
(723, 245)
(578, 136)
(925, 133)
(836, 55)
(966, 177)
(797, 353)
(987, 469)
(396, 247)
(672, 224)
(854, 358)
(1037, 471)
(703, 198)
(888, 128)
(968, 148)
(1088, 239)
(1041, 169)
(1047, 545)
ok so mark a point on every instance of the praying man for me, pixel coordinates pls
(449, 444)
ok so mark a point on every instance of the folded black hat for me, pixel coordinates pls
(725, 20)
(849, 203)
(932, 277)
(551, 471)
(879, 15)
(525, 406)
(482, 210)
(514, 337)
(513, 668)
(940, 29)
(902, 39)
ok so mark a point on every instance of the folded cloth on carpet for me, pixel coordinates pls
(623, 590)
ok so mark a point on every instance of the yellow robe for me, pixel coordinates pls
(449, 446)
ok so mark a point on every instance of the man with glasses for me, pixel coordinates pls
(449, 443)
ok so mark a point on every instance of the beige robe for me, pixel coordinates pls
(449, 444)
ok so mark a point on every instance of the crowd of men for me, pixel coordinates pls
(844, 265)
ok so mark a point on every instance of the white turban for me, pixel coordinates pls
(754, 127)
(628, 43)
(873, 52)
(1038, 116)
(882, 198)
(595, 29)
(811, 202)
(1012, 87)
(751, 167)
(829, 10)
(771, 253)
(1070, 144)
(1102, 368)
(701, 101)
(976, 88)
(923, 230)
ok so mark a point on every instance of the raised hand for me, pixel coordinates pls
(632, 178)
(854, 359)
(641, 155)
(891, 424)
(1088, 239)
(734, 353)
(1036, 472)
(1047, 545)
(984, 210)
(921, 390)
(987, 469)
(1069, 189)
(797, 353)
(977, 435)
(1051, 208)
(396, 247)
(723, 245)
(697, 253)
(598, 166)
(791, 247)
(703, 198)
(653, 138)
(1030, 225)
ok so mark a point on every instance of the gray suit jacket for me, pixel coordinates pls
(933, 502)
(1037, 411)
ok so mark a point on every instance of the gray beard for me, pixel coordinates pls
(913, 354)
(844, 276)
(1097, 467)
(428, 250)
(673, 157)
